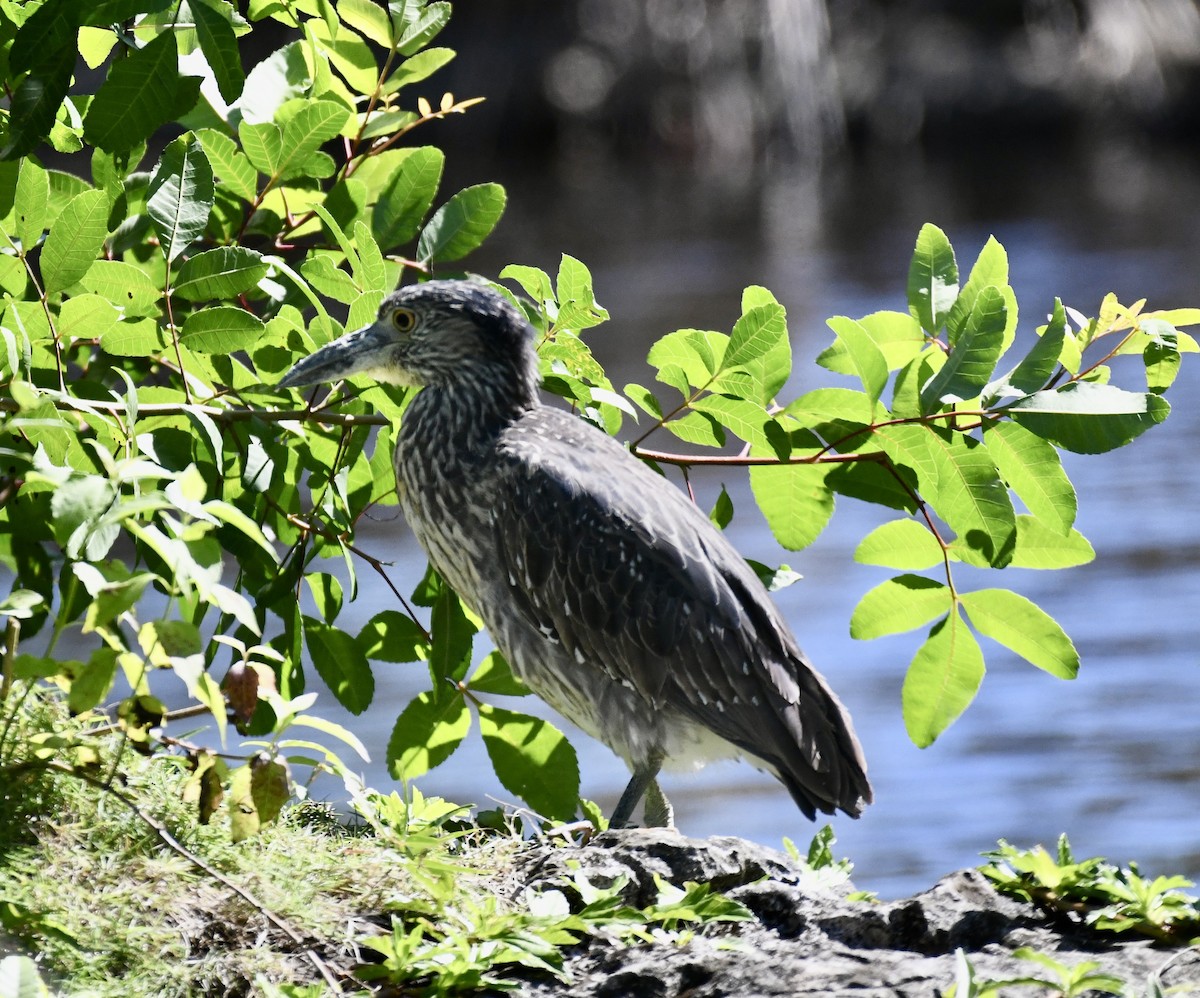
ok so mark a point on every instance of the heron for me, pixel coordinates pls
(609, 592)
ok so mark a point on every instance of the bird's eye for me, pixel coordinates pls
(404, 319)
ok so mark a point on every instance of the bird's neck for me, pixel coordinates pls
(460, 422)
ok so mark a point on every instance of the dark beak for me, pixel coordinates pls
(364, 349)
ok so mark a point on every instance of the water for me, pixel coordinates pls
(1111, 759)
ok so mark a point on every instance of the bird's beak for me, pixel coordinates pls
(364, 350)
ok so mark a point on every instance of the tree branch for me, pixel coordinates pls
(217, 413)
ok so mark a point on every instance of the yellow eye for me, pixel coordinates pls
(404, 319)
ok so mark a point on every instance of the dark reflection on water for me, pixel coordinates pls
(1112, 758)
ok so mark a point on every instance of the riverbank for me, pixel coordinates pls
(123, 892)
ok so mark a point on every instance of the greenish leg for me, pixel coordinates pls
(659, 813)
(644, 778)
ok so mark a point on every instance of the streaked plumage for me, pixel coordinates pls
(612, 596)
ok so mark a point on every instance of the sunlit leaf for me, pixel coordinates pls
(461, 224)
(1089, 418)
(932, 279)
(898, 605)
(180, 196)
(973, 354)
(1023, 627)
(224, 272)
(222, 329)
(1033, 470)
(425, 734)
(899, 544)
(74, 241)
(942, 679)
(523, 749)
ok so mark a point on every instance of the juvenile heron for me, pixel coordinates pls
(610, 593)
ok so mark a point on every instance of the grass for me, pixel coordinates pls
(109, 908)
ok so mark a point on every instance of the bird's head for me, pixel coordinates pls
(436, 333)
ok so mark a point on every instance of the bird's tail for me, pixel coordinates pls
(827, 772)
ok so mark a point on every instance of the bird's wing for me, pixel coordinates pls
(627, 573)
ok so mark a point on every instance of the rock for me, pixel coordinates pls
(808, 937)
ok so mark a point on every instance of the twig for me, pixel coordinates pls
(12, 635)
(217, 413)
(746, 460)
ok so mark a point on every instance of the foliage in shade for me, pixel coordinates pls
(162, 500)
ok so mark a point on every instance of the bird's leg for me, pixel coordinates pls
(659, 813)
(644, 777)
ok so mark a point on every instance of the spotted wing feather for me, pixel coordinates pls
(632, 579)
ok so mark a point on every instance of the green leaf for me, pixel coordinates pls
(263, 143)
(990, 269)
(688, 357)
(765, 354)
(756, 333)
(406, 199)
(257, 792)
(577, 308)
(141, 93)
(1161, 355)
(229, 163)
(420, 32)
(341, 663)
(744, 417)
(494, 675)
(91, 683)
(969, 495)
(219, 45)
(44, 47)
(897, 334)
(942, 680)
(31, 201)
(898, 605)
(1089, 418)
(180, 196)
(391, 636)
(533, 759)
(1041, 546)
(645, 399)
(863, 356)
(124, 285)
(534, 280)
(86, 316)
(324, 275)
(932, 279)
(142, 338)
(326, 593)
(973, 355)
(1033, 470)
(1038, 366)
(461, 224)
(368, 18)
(74, 241)
(420, 67)
(453, 634)
(1022, 627)
(222, 329)
(224, 272)
(795, 500)
(426, 733)
(899, 544)
(316, 122)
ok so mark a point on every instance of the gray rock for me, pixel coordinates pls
(808, 938)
